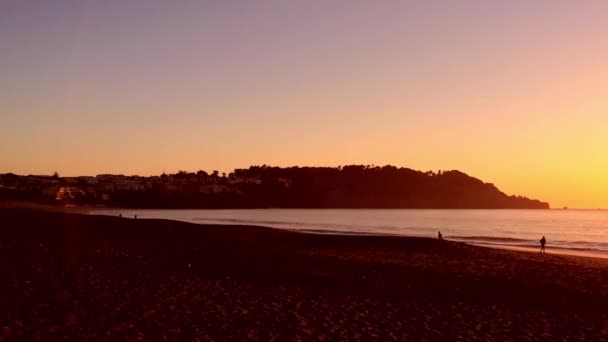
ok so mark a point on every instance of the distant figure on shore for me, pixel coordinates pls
(119, 214)
(543, 241)
(136, 217)
(439, 236)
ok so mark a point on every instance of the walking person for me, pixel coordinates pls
(543, 241)
(439, 236)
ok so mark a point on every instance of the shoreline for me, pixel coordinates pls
(525, 249)
(90, 210)
(555, 251)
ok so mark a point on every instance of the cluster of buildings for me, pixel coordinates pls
(101, 187)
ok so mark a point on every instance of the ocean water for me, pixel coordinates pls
(567, 231)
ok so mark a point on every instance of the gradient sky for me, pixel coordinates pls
(511, 92)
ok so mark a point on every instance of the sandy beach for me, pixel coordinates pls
(76, 277)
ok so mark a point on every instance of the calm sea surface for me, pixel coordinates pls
(573, 231)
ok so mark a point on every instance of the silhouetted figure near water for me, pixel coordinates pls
(439, 236)
(136, 217)
(543, 241)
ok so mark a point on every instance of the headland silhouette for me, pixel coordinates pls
(352, 186)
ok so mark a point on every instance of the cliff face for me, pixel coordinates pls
(353, 186)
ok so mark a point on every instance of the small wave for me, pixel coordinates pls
(561, 246)
(342, 232)
(241, 221)
(321, 227)
(489, 239)
(573, 250)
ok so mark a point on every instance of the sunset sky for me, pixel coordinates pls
(511, 92)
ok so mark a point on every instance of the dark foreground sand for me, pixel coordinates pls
(77, 277)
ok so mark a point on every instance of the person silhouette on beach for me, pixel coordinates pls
(439, 236)
(543, 241)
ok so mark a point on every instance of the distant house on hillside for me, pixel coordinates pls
(69, 194)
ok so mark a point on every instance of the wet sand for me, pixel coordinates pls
(79, 277)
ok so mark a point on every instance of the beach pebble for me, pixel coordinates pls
(55, 328)
(5, 332)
